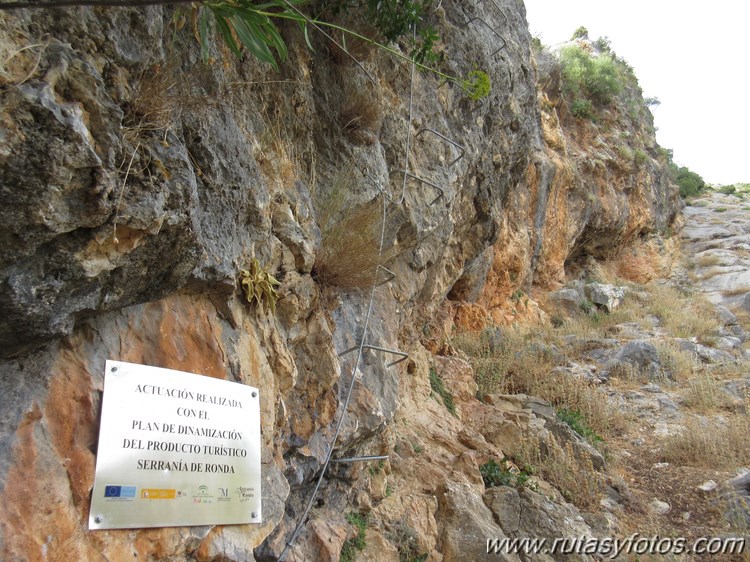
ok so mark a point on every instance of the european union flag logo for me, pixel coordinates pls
(119, 491)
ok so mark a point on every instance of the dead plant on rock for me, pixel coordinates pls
(350, 249)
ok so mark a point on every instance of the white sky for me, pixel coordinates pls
(693, 56)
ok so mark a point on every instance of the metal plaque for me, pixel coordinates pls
(175, 449)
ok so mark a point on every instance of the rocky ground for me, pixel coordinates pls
(716, 238)
(628, 415)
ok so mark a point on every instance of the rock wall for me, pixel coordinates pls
(597, 189)
(136, 182)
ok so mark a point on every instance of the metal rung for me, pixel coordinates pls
(401, 354)
(362, 459)
(477, 18)
(427, 182)
(498, 8)
(446, 139)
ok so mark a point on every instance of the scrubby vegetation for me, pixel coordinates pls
(575, 420)
(587, 76)
(254, 29)
(689, 182)
(504, 474)
(518, 363)
(439, 389)
(354, 545)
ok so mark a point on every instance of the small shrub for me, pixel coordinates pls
(587, 307)
(603, 44)
(728, 190)
(573, 475)
(626, 153)
(536, 45)
(352, 546)
(595, 78)
(575, 420)
(394, 18)
(438, 387)
(580, 33)
(690, 183)
(404, 538)
(582, 109)
(639, 157)
(720, 209)
(494, 474)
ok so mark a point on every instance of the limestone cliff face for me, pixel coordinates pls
(596, 189)
(136, 182)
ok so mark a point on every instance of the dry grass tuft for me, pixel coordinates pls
(361, 113)
(349, 253)
(512, 364)
(683, 316)
(736, 291)
(681, 365)
(628, 372)
(708, 260)
(573, 475)
(154, 105)
(704, 394)
(711, 444)
(276, 156)
(349, 250)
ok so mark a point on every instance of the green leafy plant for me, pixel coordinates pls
(477, 84)
(394, 18)
(251, 25)
(577, 422)
(352, 546)
(259, 285)
(438, 387)
(582, 109)
(244, 25)
(494, 474)
(423, 47)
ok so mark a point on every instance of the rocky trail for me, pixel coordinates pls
(630, 416)
(716, 243)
